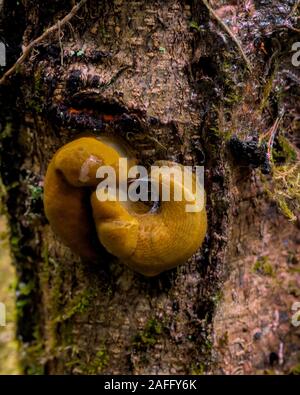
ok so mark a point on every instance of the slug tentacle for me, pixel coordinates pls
(148, 241)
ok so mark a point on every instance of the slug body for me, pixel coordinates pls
(148, 241)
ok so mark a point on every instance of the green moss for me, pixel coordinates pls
(35, 102)
(15, 240)
(149, 335)
(99, 362)
(208, 344)
(267, 372)
(198, 369)
(284, 151)
(217, 297)
(109, 291)
(223, 134)
(35, 105)
(32, 359)
(80, 53)
(263, 266)
(266, 93)
(92, 366)
(223, 340)
(232, 98)
(78, 306)
(295, 371)
(24, 291)
(67, 336)
(284, 208)
(33, 353)
(284, 189)
(194, 25)
(7, 131)
(51, 281)
(36, 192)
(50, 265)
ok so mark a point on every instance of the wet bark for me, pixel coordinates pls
(175, 87)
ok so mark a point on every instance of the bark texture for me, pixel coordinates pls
(184, 94)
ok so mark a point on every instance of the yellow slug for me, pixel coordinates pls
(148, 241)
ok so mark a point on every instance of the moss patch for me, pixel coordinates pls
(149, 335)
(263, 266)
(283, 151)
(295, 371)
(78, 305)
(285, 189)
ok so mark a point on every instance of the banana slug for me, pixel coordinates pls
(148, 241)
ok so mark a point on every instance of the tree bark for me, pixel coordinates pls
(188, 97)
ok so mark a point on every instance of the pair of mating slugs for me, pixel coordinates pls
(148, 241)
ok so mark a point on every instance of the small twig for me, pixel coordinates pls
(50, 30)
(272, 133)
(71, 29)
(60, 45)
(157, 142)
(229, 32)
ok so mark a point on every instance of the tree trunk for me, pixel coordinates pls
(189, 97)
